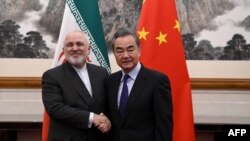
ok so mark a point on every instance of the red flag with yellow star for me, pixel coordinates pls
(162, 50)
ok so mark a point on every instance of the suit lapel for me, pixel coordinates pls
(76, 82)
(93, 81)
(114, 96)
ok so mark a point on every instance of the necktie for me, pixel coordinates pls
(124, 96)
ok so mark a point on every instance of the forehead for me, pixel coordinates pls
(125, 41)
(75, 37)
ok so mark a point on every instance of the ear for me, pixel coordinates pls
(139, 51)
(89, 48)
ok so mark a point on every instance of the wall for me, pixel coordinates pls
(211, 107)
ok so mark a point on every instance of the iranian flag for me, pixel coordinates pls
(80, 15)
(162, 50)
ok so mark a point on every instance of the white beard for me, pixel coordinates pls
(76, 61)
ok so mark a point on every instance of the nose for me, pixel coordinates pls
(75, 47)
(125, 54)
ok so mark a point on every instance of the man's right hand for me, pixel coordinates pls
(102, 122)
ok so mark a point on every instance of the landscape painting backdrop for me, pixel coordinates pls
(211, 29)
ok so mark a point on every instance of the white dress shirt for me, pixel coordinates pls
(130, 82)
(84, 75)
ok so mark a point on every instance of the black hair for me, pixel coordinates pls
(122, 32)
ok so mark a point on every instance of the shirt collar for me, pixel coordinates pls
(134, 72)
(84, 68)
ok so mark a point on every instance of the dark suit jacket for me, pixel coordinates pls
(68, 102)
(148, 116)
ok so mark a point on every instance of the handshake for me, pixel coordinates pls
(102, 122)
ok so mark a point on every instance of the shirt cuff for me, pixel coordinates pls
(91, 116)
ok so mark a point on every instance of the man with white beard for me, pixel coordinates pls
(73, 94)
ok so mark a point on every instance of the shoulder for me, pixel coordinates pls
(53, 75)
(54, 70)
(154, 74)
(93, 66)
(97, 69)
(59, 70)
(115, 75)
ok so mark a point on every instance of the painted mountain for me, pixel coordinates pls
(211, 29)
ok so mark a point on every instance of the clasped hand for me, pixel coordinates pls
(102, 123)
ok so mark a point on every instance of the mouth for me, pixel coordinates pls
(75, 54)
(126, 62)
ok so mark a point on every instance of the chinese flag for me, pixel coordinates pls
(162, 50)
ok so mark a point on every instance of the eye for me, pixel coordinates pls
(80, 44)
(119, 50)
(68, 45)
(131, 49)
